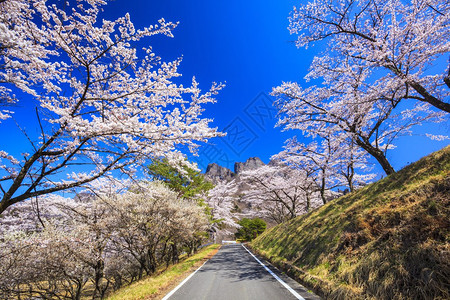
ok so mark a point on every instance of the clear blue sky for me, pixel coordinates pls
(243, 43)
(247, 45)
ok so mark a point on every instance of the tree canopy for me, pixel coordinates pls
(250, 229)
(186, 181)
(101, 103)
(380, 76)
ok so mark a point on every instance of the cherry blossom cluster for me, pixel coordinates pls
(64, 247)
(279, 192)
(102, 101)
(222, 200)
(382, 73)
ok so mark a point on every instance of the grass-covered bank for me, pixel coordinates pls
(156, 286)
(389, 240)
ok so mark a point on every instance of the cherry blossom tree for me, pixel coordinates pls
(353, 167)
(91, 226)
(42, 265)
(101, 104)
(151, 218)
(335, 162)
(53, 209)
(398, 39)
(345, 107)
(380, 56)
(319, 161)
(279, 192)
(23, 55)
(221, 200)
(12, 254)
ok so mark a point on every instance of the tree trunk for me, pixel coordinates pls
(141, 270)
(378, 155)
(98, 275)
(308, 203)
(322, 189)
(174, 253)
(79, 288)
(151, 261)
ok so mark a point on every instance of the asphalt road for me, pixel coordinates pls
(234, 274)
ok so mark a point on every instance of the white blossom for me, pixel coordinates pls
(101, 103)
(380, 76)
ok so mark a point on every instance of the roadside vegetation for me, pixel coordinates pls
(389, 240)
(91, 246)
(250, 229)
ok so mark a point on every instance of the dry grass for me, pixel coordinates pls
(389, 240)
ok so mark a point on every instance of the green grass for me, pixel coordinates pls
(389, 240)
(154, 286)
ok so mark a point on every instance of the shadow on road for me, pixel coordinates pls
(234, 263)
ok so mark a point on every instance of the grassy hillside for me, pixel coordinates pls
(389, 240)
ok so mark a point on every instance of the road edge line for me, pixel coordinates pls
(293, 292)
(183, 282)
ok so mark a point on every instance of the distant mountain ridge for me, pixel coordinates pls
(216, 173)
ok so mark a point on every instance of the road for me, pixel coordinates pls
(234, 274)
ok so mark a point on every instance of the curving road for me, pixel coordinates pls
(234, 274)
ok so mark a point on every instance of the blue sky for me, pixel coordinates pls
(247, 45)
(243, 43)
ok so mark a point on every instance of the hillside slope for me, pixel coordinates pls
(389, 240)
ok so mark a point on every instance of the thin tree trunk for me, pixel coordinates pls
(308, 203)
(322, 190)
(98, 275)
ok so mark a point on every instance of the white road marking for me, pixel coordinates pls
(276, 277)
(183, 282)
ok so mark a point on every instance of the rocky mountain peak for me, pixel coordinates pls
(250, 164)
(216, 173)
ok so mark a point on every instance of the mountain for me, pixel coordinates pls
(216, 173)
(388, 240)
(250, 164)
